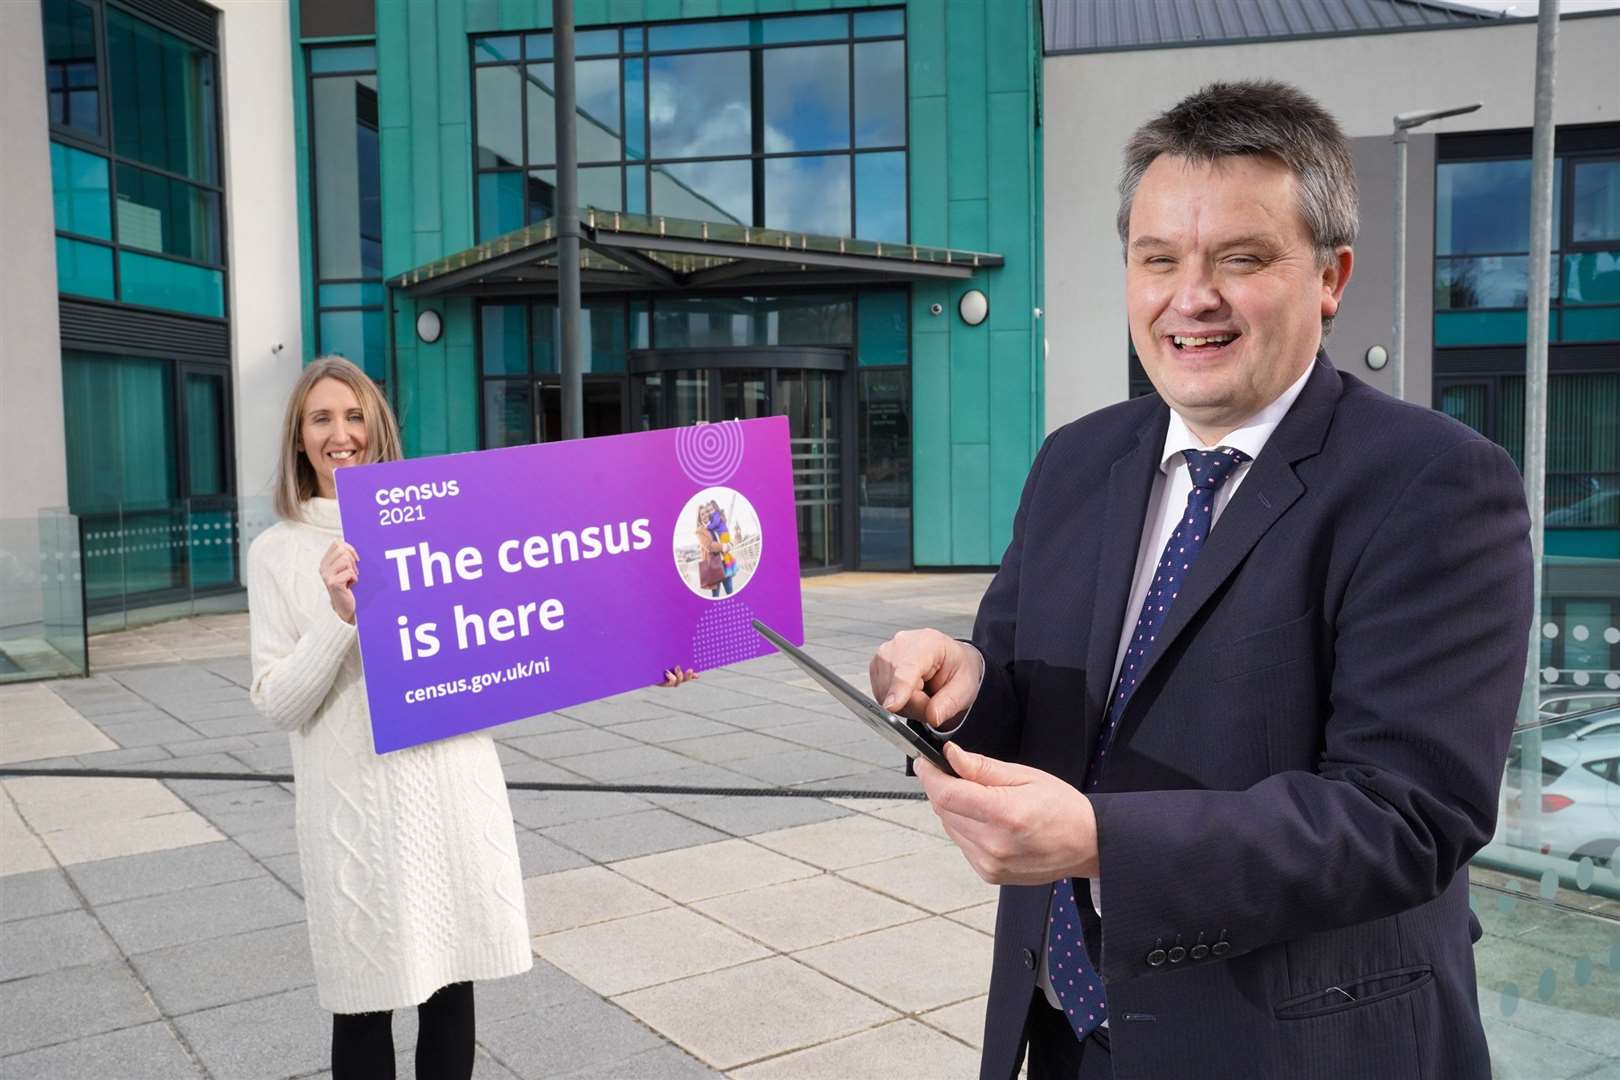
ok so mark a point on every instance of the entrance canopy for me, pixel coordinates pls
(631, 253)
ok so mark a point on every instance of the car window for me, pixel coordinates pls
(1550, 770)
(1604, 768)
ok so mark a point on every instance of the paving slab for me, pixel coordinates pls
(133, 733)
(38, 892)
(664, 1063)
(216, 911)
(539, 855)
(697, 873)
(146, 1052)
(246, 807)
(801, 766)
(133, 876)
(747, 815)
(282, 1035)
(732, 745)
(613, 765)
(20, 850)
(812, 911)
(591, 894)
(628, 835)
(848, 841)
(50, 942)
(913, 967)
(939, 880)
(645, 950)
(981, 917)
(742, 1014)
(561, 744)
(590, 1037)
(220, 971)
(81, 820)
(963, 1020)
(904, 1050)
(544, 809)
(61, 1006)
(667, 729)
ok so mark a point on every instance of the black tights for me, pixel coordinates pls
(363, 1043)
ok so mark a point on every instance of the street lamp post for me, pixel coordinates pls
(1403, 123)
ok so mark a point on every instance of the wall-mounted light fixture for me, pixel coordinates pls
(1377, 356)
(974, 307)
(429, 326)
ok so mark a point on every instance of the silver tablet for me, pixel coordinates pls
(909, 736)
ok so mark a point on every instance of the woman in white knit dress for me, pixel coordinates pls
(409, 859)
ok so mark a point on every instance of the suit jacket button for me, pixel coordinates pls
(1155, 958)
(1220, 948)
(1177, 954)
(1199, 951)
(1029, 959)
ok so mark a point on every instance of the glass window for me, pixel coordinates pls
(1491, 281)
(1483, 207)
(508, 412)
(705, 191)
(542, 90)
(700, 105)
(505, 347)
(596, 94)
(633, 40)
(1592, 277)
(500, 119)
(79, 193)
(72, 82)
(487, 49)
(351, 294)
(808, 194)
(884, 330)
(601, 337)
(538, 46)
(360, 336)
(162, 98)
(884, 418)
(1595, 217)
(697, 35)
(500, 203)
(804, 28)
(332, 58)
(635, 189)
(165, 283)
(635, 108)
(120, 427)
(170, 217)
(595, 42)
(806, 99)
(543, 331)
(84, 269)
(542, 195)
(721, 322)
(879, 23)
(880, 94)
(880, 197)
(205, 434)
(602, 187)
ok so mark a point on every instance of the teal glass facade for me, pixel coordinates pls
(856, 119)
(138, 208)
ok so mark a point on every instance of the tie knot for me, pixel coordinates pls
(1210, 468)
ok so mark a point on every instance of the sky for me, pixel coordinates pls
(1530, 7)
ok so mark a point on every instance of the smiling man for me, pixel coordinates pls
(1237, 703)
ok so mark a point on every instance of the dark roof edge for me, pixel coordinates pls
(1324, 34)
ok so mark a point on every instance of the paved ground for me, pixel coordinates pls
(154, 928)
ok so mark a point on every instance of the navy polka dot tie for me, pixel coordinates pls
(1079, 988)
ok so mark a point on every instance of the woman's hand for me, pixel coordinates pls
(676, 675)
(340, 569)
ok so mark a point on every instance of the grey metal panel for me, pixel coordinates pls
(1109, 25)
(112, 328)
(196, 21)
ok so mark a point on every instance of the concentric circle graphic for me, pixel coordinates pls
(709, 453)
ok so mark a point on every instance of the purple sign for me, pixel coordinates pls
(504, 583)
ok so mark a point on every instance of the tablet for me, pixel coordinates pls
(909, 736)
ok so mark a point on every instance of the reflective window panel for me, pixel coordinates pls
(72, 89)
(806, 96)
(162, 98)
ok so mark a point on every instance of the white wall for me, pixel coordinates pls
(32, 446)
(1093, 103)
(261, 195)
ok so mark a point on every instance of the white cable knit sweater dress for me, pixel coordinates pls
(409, 859)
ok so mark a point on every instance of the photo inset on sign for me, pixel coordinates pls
(717, 542)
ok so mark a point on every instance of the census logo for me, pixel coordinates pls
(401, 504)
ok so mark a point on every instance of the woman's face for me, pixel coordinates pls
(332, 432)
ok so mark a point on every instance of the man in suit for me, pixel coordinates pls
(1245, 679)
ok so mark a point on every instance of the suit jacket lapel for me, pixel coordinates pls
(1268, 490)
(1130, 481)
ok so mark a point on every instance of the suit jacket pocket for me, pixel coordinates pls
(1268, 648)
(1355, 993)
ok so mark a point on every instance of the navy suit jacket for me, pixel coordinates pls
(1312, 754)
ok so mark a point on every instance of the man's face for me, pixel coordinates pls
(1225, 295)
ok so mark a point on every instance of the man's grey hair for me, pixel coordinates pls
(1257, 118)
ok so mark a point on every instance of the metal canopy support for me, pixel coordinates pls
(603, 239)
(573, 387)
(636, 261)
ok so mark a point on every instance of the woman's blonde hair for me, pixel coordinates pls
(295, 476)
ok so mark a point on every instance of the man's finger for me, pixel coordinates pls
(905, 683)
(987, 771)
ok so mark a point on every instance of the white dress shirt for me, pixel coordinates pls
(1166, 503)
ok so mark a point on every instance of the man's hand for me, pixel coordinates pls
(1016, 825)
(924, 675)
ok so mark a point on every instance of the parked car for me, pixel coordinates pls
(1566, 700)
(1580, 795)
